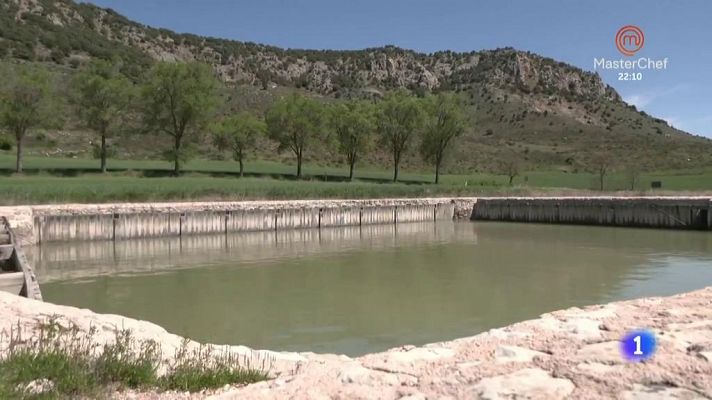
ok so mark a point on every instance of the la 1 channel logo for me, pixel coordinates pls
(638, 345)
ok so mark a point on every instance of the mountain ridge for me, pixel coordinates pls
(323, 71)
(544, 112)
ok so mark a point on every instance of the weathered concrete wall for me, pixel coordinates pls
(446, 211)
(678, 213)
(415, 213)
(50, 223)
(378, 215)
(128, 226)
(347, 216)
(75, 227)
(251, 220)
(127, 221)
(202, 222)
(297, 218)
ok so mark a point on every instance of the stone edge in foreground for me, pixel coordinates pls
(571, 353)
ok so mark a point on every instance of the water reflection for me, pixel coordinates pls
(355, 290)
(62, 261)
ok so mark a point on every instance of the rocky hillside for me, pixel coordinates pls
(67, 33)
(546, 113)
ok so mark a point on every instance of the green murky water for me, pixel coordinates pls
(353, 291)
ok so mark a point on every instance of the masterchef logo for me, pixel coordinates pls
(629, 40)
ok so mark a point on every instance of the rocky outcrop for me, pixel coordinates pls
(320, 71)
(572, 353)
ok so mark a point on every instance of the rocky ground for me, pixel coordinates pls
(572, 353)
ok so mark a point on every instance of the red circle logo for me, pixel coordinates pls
(629, 40)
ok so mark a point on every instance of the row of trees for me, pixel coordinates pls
(396, 123)
(181, 101)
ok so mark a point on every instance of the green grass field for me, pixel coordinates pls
(61, 180)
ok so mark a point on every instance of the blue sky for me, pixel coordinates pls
(574, 31)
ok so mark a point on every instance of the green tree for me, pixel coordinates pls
(24, 104)
(179, 99)
(102, 96)
(295, 122)
(238, 133)
(353, 124)
(445, 121)
(399, 118)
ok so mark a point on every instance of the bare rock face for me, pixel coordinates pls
(643, 392)
(504, 354)
(603, 352)
(530, 383)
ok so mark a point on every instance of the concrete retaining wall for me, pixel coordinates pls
(446, 211)
(127, 221)
(378, 215)
(415, 213)
(340, 216)
(202, 222)
(75, 227)
(120, 223)
(297, 218)
(127, 226)
(678, 213)
(251, 220)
